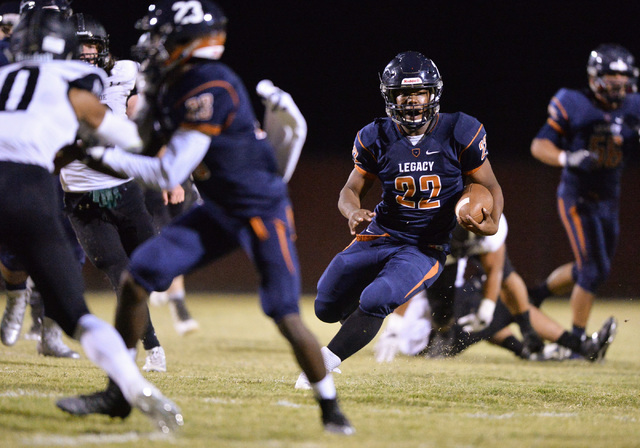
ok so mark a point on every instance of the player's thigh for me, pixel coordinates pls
(269, 243)
(343, 281)
(403, 275)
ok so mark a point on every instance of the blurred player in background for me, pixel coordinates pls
(108, 213)
(423, 159)
(50, 96)
(589, 134)
(244, 199)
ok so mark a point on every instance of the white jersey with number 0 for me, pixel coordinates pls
(36, 116)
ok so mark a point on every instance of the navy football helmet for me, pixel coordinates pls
(410, 72)
(612, 59)
(176, 31)
(91, 32)
(44, 34)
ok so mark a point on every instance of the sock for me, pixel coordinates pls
(325, 389)
(149, 339)
(571, 341)
(512, 343)
(356, 332)
(537, 294)
(578, 331)
(523, 322)
(104, 347)
(331, 360)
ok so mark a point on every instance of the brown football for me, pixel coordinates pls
(474, 198)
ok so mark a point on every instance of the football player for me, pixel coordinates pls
(51, 96)
(244, 199)
(589, 134)
(423, 159)
(108, 213)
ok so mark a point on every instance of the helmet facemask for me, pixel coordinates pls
(612, 74)
(415, 107)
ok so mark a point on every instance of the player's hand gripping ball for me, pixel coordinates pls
(474, 198)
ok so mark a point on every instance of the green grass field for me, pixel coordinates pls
(234, 382)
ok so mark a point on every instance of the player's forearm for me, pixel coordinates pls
(547, 152)
(348, 202)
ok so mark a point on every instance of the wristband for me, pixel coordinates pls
(562, 158)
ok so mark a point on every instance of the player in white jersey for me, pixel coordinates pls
(108, 213)
(44, 98)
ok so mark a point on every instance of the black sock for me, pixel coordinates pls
(149, 339)
(356, 332)
(537, 294)
(571, 341)
(578, 330)
(524, 322)
(512, 343)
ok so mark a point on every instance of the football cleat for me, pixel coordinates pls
(333, 419)
(13, 316)
(595, 347)
(182, 320)
(331, 363)
(162, 411)
(156, 361)
(51, 344)
(109, 402)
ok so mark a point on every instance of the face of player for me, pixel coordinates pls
(413, 103)
(89, 53)
(611, 89)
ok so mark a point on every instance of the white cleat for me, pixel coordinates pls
(182, 320)
(159, 298)
(156, 361)
(51, 344)
(14, 316)
(331, 363)
(163, 412)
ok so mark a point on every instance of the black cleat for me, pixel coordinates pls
(109, 402)
(532, 343)
(595, 347)
(333, 419)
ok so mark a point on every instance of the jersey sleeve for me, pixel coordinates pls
(364, 152)
(557, 117)
(208, 107)
(471, 140)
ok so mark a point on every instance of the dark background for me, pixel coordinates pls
(501, 61)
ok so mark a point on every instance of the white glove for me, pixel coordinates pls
(96, 152)
(481, 319)
(284, 124)
(582, 160)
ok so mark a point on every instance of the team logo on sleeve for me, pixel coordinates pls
(354, 152)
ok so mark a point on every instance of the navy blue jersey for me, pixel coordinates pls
(239, 171)
(421, 183)
(576, 122)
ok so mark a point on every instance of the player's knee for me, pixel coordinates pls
(379, 299)
(591, 276)
(327, 310)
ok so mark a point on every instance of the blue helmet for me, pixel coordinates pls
(176, 31)
(408, 72)
(62, 6)
(612, 59)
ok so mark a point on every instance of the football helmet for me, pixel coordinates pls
(91, 32)
(44, 34)
(178, 30)
(612, 59)
(407, 73)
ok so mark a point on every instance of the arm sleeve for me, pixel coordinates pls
(364, 153)
(184, 152)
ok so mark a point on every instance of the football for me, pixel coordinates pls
(474, 198)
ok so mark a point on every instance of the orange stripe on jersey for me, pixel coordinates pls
(281, 230)
(365, 148)
(472, 140)
(364, 172)
(555, 126)
(259, 228)
(370, 237)
(567, 226)
(562, 110)
(433, 271)
(473, 170)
